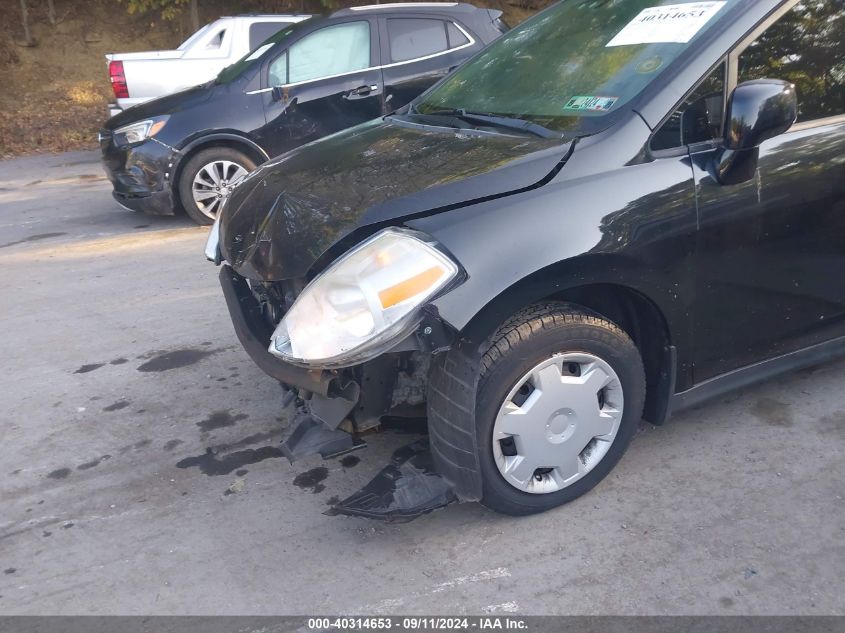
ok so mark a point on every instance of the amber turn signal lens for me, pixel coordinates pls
(410, 287)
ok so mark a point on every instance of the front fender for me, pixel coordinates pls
(634, 226)
(222, 135)
(592, 270)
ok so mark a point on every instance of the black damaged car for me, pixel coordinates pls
(616, 211)
(318, 76)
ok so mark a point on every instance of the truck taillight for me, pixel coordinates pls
(118, 80)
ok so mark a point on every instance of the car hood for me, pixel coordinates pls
(168, 104)
(289, 212)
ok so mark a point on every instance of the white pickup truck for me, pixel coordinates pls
(139, 77)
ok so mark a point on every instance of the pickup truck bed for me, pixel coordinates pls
(139, 77)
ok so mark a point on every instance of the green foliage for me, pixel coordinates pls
(167, 9)
(804, 47)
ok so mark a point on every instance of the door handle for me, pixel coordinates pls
(361, 91)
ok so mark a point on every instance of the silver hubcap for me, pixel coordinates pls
(213, 184)
(557, 423)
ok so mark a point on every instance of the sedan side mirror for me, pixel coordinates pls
(760, 110)
(757, 111)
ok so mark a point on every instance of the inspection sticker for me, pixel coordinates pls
(595, 104)
(673, 23)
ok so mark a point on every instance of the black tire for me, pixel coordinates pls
(197, 162)
(525, 340)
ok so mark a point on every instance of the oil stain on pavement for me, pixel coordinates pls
(135, 446)
(32, 238)
(312, 479)
(175, 359)
(117, 406)
(349, 461)
(219, 420)
(88, 368)
(59, 473)
(171, 444)
(93, 463)
(772, 412)
(210, 464)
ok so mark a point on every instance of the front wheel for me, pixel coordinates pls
(560, 396)
(207, 180)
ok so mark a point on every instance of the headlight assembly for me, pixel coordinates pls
(139, 131)
(364, 302)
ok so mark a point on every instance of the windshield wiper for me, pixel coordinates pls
(494, 120)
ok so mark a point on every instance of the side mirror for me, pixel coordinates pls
(279, 93)
(757, 111)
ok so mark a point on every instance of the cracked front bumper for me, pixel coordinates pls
(254, 334)
(141, 175)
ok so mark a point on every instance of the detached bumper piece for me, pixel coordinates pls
(404, 490)
(310, 436)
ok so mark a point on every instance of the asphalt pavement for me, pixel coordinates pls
(141, 475)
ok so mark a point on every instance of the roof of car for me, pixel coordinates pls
(268, 15)
(449, 7)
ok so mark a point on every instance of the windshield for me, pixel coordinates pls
(575, 61)
(233, 71)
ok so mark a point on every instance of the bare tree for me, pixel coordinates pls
(27, 36)
(51, 12)
(195, 17)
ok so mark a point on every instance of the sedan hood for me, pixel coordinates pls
(168, 104)
(280, 220)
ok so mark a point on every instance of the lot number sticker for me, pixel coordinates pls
(673, 23)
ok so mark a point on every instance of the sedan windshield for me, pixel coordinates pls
(578, 60)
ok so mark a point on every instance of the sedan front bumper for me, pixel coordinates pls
(254, 334)
(405, 489)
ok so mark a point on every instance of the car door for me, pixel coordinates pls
(418, 51)
(324, 82)
(771, 250)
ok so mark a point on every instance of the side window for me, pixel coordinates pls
(805, 47)
(699, 118)
(411, 38)
(260, 31)
(456, 37)
(278, 73)
(333, 50)
(216, 41)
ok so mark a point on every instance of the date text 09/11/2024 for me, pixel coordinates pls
(486, 623)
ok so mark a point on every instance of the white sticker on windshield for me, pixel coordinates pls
(258, 52)
(673, 23)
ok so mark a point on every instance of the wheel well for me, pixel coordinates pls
(632, 311)
(241, 146)
(643, 321)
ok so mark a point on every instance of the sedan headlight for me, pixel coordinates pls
(363, 302)
(139, 131)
